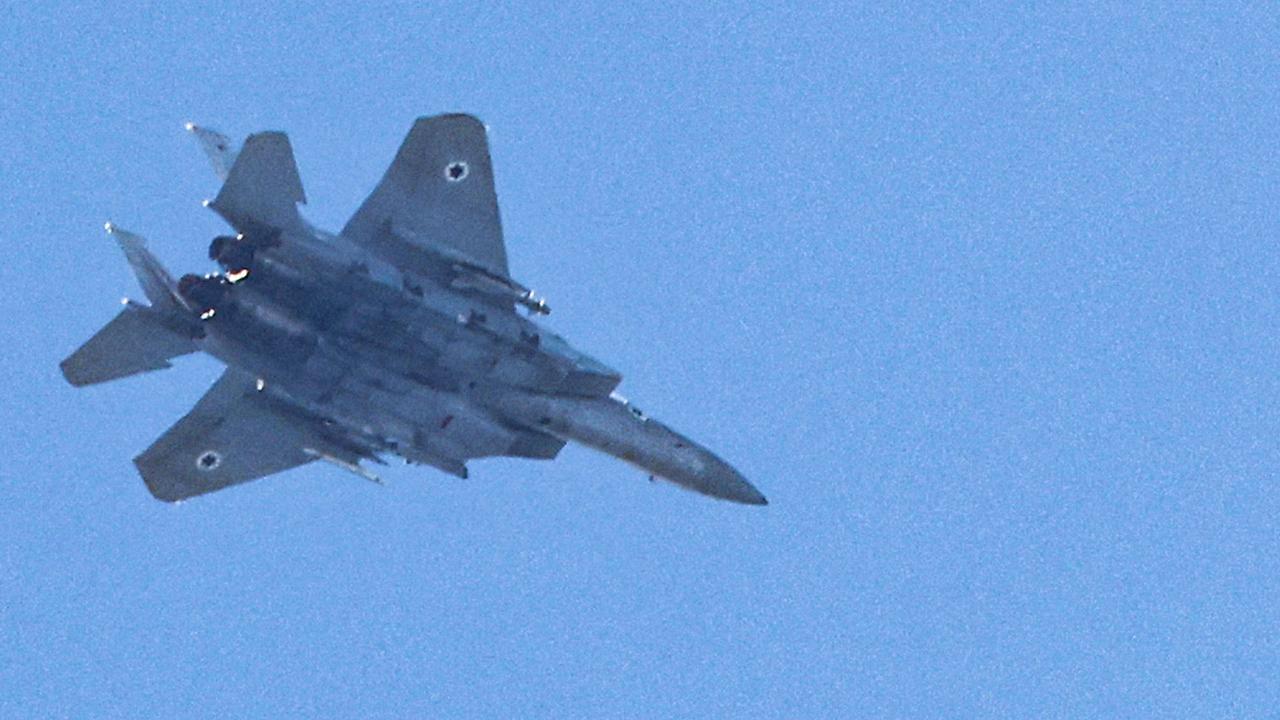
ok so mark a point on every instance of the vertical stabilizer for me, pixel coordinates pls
(221, 151)
(156, 282)
(263, 188)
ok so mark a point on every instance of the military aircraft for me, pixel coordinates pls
(399, 335)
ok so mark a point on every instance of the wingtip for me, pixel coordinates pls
(189, 127)
(70, 375)
(123, 238)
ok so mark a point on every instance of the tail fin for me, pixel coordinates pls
(263, 188)
(154, 279)
(141, 337)
(222, 153)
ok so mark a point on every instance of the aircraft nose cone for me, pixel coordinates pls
(722, 481)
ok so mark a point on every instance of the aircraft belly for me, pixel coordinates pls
(525, 373)
(615, 428)
(441, 424)
(401, 373)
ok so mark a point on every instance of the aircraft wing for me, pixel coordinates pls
(234, 434)
(437, 198)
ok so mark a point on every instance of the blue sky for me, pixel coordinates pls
(983, 299)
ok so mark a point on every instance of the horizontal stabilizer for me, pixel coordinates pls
(138, 340)
(263, 188)
(221, 151)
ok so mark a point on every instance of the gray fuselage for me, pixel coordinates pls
(435, 367)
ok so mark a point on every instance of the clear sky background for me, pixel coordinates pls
(984, 300)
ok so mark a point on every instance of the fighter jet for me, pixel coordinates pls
(399, 336)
